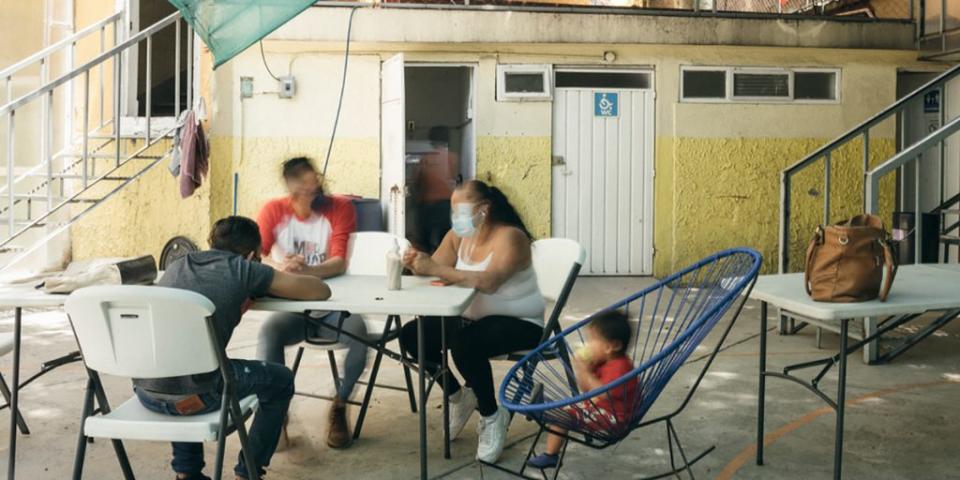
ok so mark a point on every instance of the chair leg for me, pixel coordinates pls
(21, 423)
(673, 439)
(252, 470)
(221, 439)
(333, 369)
(104, 408)
(81, 438)
(366, 396)
(296, 361)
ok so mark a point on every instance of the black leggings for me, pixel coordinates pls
(472, 344)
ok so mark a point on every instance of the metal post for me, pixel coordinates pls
(176, 72)
(784, 223)
(15, 394)
(866, 164)
(44, 121)
(762, 380)
(826, 189)
(47, 133)
(117, 68)
(86, 124)
(943, 151)
(103, 32)
(10, 167)
(901, 173)
(841, 399)
(189, 67)
(148, 84)
(918, 214)
(943, 25)
(68, 134)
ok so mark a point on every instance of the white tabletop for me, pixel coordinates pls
(362, 294)
(26, 296)
(916, 289)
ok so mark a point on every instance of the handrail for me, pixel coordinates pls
(51, 49)
(874, 120)
(824, 152)
(119, 48)
(914, 153)
(906, 155)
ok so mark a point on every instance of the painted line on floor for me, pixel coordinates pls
(750, 452)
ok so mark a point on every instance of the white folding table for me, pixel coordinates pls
(368, 295)
(18, 298)
(917, 289)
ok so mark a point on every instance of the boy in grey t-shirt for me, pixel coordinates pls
(230, 275)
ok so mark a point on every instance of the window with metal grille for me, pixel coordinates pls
(761, 85)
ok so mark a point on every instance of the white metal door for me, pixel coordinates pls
(603, 177)
(393, 144)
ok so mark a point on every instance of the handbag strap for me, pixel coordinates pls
(890, 265)
(815, 243)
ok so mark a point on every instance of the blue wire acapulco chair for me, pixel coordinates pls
(669, 320)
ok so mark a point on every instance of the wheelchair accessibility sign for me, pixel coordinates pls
(606, 104)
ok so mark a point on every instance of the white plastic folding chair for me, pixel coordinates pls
(557, 263)
(366, 255)
(152, 332)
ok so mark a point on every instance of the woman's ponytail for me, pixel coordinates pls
(501, 210)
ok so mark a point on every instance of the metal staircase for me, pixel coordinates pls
(93, 152)
(909, 156)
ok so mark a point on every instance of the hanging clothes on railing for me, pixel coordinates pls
(190, 158)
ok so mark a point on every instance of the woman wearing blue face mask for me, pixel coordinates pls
(487, 248)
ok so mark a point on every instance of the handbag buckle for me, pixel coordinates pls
(843, 240)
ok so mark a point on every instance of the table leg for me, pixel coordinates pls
(763, 380)
(871, 350)
(841, 400)
(15, 394)
(443, 388)
(422, 386)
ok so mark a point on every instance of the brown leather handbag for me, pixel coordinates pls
(846, 261)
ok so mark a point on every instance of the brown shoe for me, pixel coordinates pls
(338, 434)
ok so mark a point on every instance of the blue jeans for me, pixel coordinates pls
(270, 382)
(285, 329)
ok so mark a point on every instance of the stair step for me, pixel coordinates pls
(951, 239)
(949, 212)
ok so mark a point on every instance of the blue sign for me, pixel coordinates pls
(606, 104)
(931, 102)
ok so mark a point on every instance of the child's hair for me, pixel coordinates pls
(613, 326)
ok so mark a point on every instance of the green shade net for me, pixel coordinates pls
(228, 27)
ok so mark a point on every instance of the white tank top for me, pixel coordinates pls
(518, 297)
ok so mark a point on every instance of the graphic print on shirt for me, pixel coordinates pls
(309, 238)
(310, 251)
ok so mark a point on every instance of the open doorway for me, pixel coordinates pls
(440, 147)
(144, 14)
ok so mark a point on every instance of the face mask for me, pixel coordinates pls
(463, 220)
(319, 201)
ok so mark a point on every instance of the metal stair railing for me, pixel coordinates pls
(79, 175)
(912, 156)
(822, 156)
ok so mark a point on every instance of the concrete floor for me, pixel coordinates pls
(902, 422)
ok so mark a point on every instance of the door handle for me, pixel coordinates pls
(558, 161)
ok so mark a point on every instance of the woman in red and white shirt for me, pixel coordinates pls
(306, 232)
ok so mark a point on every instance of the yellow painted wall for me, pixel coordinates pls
(717, 166)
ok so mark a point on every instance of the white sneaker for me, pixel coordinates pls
(462, 405)
(493, 434)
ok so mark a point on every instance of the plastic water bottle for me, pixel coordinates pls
(394, 267)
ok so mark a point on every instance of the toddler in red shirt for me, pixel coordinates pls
(600, 361)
